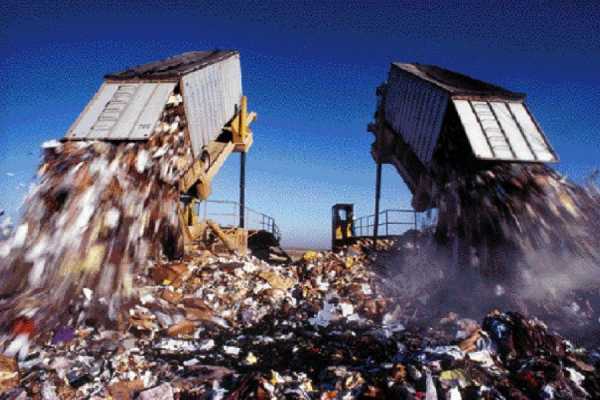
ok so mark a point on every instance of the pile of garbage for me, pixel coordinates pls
(419, 273)
(324, 327)
(100, 211)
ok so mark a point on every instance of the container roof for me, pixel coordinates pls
(171, 68)
(457, 84)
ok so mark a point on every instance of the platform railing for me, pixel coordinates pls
(391, 222)
(226, 213)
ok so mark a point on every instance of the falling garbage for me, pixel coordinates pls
(99, 212)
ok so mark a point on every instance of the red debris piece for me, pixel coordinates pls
(23, 326)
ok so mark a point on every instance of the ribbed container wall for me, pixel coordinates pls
(211, 97)
(415, 109)
(122, 111)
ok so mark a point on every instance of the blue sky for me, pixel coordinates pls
(310, 70)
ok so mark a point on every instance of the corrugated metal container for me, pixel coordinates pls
(211, 97)
(128, 105)
(415, 109)
(496, 121)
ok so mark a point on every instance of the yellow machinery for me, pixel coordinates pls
(342, 225)
(195, 185)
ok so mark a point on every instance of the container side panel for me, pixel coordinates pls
(150, 115)
(88, 117)
(407, 116)
(491, 128)
(415, 109)
(211, 97)
(113, 111)
(503, 130)
(531, 133)
(439, 107)
(421, 103)
(134, 107)
(475, 134)
(127, 111)
(519, 145)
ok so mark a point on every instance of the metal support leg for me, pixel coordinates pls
(377, 197)
(242, 189)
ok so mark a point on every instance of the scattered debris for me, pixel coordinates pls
(238, 327)
(9, 374)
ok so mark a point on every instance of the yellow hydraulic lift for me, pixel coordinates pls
(195, 185)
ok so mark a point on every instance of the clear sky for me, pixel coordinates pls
(310, 70)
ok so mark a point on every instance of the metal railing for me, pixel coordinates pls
(391, 222)
(227, 213)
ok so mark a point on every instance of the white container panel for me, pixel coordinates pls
(519, 144)
(122, 111)
(88, 117)
(532, 134)
(473, 129)
(148, 119)
(503, 131)
(125, 125)
(496, 137)
(211, 97)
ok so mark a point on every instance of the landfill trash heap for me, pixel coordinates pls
(323, 327)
